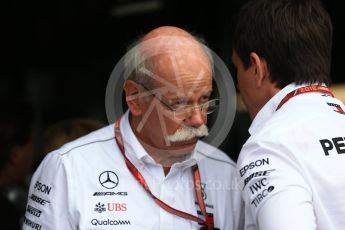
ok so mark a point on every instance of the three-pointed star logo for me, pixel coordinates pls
(108, 179)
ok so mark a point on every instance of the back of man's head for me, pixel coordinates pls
(16, 125)
(68, 130)
(293, 36)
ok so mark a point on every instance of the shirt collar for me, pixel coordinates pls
(135, 150)
(270, 107)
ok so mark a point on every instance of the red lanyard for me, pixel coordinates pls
(197, 185)
(306, 89)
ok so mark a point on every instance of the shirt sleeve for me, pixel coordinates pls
(48, 205)
(274, 189)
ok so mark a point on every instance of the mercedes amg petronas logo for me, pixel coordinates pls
(108, 179)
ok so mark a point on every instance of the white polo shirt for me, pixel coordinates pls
(292, 167)
(86, 185)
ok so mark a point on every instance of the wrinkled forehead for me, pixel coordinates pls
(177, 62)
(162, 49)
(183, 93)
(161, 43)
(186, 84)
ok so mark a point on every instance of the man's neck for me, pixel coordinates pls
(270, 91)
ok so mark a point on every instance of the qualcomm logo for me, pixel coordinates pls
(108, 179)
(100, 208)
(97, 222)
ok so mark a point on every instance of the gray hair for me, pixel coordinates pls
(135, 60)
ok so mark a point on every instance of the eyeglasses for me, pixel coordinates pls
(181, 109)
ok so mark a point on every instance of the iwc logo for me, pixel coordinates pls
(108, 179)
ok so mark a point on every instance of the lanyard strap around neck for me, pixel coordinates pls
(208, 222)
(306, 89)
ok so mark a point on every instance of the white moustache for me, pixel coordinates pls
(188, 133)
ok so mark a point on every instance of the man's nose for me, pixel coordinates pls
(196, 118)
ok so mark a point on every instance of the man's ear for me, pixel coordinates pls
(260, 70)
(133, 101)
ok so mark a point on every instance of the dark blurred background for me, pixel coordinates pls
(59, 54)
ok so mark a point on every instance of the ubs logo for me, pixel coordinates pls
(100, 208)
(111, 207)
(108, 179)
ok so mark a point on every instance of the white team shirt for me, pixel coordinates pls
(86, 185)
(292, 167)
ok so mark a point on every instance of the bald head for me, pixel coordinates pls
(171, 40)
(167, 50)
(167, 31)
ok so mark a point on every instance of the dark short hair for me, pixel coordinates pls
(293, 36)
(16, 126)
(68, 130)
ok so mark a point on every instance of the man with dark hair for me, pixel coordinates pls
(290, 167)
(68, 130)
(16, 149)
